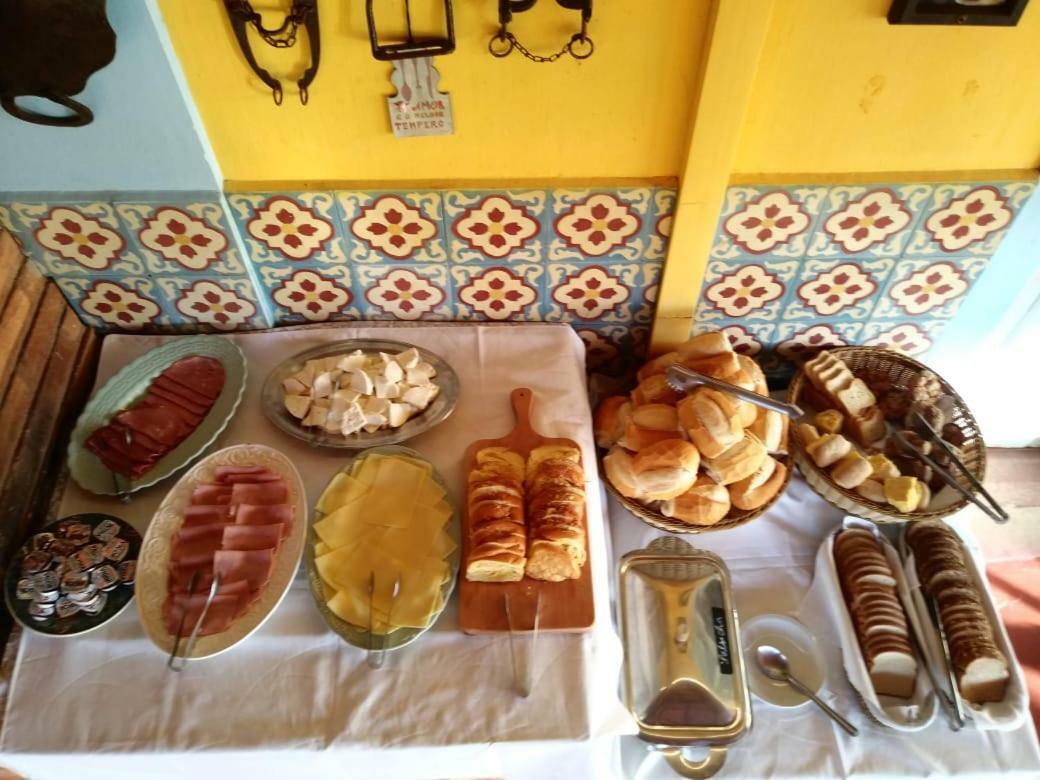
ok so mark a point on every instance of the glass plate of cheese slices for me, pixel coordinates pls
(384, 523)
(359, 393)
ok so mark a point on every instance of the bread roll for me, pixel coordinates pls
(666, 469)
(710, 419)
(771, 429)
(656, 417)
(655, 390)
(881, 467)
(829, 421)
(612, 417)
(721, 366)
(872, 490)
(926, 498)
(658, 365)
(746, 411)
(704, 345)
(739, 461)
(828, 449)
(851, 471)
(807, 433)
(705, 503)
(618, 467)
(756, 490)
(754, 371)
(636, 437)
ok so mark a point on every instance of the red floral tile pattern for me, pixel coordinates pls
(743, 340)
(599, 351)
(746, 289)
(766, 222)
(393, 227)
(405, 295)
(209, 303)
(183, 238)
(868, 221)
(118, 305)
(929, 288)
(807, 343)
(496, 226)
(77, 237)
(311, 295)
(498, 294)
(598, 224)
(590, 293)
(908, 338)
(837, 289)
(969, 218)
(290, 228)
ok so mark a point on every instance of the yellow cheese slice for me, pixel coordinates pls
(391, 499)
(430, 493)
(320, 549)
(341, 490)
(339, 527)
(419, 597)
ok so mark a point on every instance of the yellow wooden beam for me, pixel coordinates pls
(864, 177)
(735, 39)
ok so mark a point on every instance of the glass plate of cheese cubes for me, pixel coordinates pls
(360, 393)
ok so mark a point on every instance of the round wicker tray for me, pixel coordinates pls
(736, 517)
(900, 368)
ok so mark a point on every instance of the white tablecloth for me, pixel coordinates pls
(443, 708)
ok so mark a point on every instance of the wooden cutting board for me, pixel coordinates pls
(565, 606)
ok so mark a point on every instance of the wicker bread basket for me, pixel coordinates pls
(900, 369)
(735, 517)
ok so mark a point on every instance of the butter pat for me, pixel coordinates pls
(904, 493)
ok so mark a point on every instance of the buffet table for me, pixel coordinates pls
(295, 700)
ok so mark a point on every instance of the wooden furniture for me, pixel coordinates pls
(47, 363)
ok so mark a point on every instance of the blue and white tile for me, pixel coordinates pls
(502, 292)
(798, 341)
(659, 224)
(928, 287)
(76, 238)
(754, 290)
(294, 229)
(607, 293)
(132, 304)
(839, 289)
(911, 337)
(403, 291)
(613, 349)
(593, 226)
(647, 304)
(300, 295)
(952, 221)
(775, 221)
(181, 237)
(496, 226)
(848, 224)
(393, 227)
(216, 303)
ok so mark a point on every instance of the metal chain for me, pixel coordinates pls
(283, 37)
(568, 48)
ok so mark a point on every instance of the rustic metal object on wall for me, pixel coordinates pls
(48, 49)
(411, 47)
(996, 13)
(303, 13)
(419, 107)
(503, 42)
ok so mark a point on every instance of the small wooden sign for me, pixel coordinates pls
(418, 108)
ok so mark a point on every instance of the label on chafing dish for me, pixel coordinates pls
(45, 580)
(106, 530)
(66, 607)
(42, 541)
(718, 625)
(116, 549)
(41, 611)
(105, 577)
(127, 571)
(24, 590)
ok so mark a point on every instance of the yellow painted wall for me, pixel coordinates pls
(620, 114)
(840, 90)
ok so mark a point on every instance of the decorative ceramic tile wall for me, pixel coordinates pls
(156, 263)
(589, 257)
(793, 269)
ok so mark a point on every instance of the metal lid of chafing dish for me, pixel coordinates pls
(684, 674)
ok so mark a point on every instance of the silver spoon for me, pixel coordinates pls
(774, 663)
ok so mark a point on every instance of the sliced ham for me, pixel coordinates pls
(193, 562)
(253, 537)
(194, 543)
(157, 423)
(211, 494)
(204, 375)
(265, 493)
(230, 475)
(185, 397)
(180, 578)
(190, 420)
(252, 565)
(253, 514)
(207, 514)
(221, 612)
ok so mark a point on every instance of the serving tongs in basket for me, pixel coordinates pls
(183, 659)
(682, 379)
(991, 509)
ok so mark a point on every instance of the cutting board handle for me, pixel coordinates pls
(523, 400)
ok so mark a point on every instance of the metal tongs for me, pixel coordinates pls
(523, 680)
(996, 512)
(952, 702)
(171, 662)
(376, 658)
(681, 379)
(123, 492)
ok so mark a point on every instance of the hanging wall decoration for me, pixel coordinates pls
(503, 42)
(302, 13)
(418, 107)
(48, 49)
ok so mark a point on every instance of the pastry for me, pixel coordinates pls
(868, 427)
(869, 587)
(771, 429)
(666, 469)
(829, 421)
(881, 467)
(933, 415)
(851, 471)
(759, 488)
(925, 387)
(828, 449)
(904, 493)
(807, 433)
(497, 529)
(833, 378)
(705, 503)
(952, 433)
(872, 490)
(894, 404)
(980, 667)
(737, 462)
(612, 416)
(710, 420)
(555, 513)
